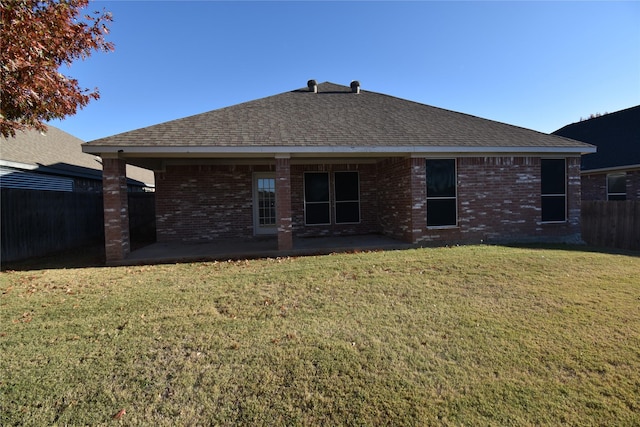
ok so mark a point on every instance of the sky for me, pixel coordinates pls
(539, 65)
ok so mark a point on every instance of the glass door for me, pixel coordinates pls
(264, 203)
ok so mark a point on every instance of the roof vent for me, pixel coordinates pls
(313, 86)
(355, 86)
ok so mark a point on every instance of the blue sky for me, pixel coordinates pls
(538, 65)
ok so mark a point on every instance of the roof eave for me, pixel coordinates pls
(262, 151)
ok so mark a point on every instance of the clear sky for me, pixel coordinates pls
(539, 65)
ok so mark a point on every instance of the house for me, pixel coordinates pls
(54, 161)
(333, 160)
(50, 195)
(613, 173)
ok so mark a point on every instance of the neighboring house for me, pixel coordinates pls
(613, 173)
(332, 160)
(55, 161)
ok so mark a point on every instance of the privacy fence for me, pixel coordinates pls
(614, 224)
(35, 223)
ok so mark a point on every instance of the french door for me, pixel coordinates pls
(264, 203)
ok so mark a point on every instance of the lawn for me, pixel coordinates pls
(474, 335)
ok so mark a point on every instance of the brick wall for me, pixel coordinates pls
(498, 200)
(594, 186)
(116, 211)
(633, 185)
(395, 198)
(204, 202)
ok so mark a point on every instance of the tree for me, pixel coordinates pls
(37, 37)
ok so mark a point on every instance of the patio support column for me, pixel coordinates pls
(418, 199)
(116, 208)
(283, 202)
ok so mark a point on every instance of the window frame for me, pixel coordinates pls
(454, 197)
(336, 201)
(617, 196)
(549, 196)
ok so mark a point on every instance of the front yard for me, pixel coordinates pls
(475, 335)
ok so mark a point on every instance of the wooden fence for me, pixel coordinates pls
(35, 223)
(614, 224)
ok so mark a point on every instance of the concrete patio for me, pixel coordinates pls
(264, 247)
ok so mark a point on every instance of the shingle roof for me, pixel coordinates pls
(617, 136)
(333, 117)
(58, 151)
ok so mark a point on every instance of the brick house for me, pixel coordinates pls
(53, 161)
(613, 173)
(333, 160)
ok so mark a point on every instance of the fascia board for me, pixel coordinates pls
(260, 151)
(610, 169)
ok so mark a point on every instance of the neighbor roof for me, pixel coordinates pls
(617, 136)
(57, 152)
(333, 120)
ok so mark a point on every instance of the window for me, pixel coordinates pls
(617, 186)
(347, 194)
(554, 190)
(442, 206)
(316, 198)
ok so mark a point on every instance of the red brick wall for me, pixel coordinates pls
(116, 209)
(283, 204)
(633, 185)
(594, 186)
(498, 200)
(395, 196)
(204, 202)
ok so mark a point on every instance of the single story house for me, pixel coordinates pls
(54, 161)
(613, 173)
(334, 160)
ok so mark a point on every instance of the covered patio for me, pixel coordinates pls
(264, 247)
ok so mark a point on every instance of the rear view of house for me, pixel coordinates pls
(333, 160)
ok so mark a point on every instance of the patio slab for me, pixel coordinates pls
(264, 247)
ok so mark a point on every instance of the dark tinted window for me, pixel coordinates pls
(441, 193)
(441, 178)
(316, 187)
(553, 176)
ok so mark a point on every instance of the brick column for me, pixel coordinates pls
(283, 203)
(116, 209)
(418, 199)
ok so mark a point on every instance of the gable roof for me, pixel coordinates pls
(333, 120)
(617, 136)
(57, 152)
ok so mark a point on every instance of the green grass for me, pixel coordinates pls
(475, 335)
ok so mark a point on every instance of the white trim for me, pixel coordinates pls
(260, 151)
(18, 165)
(626, 168)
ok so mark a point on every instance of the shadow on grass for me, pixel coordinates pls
(574, 248)
(94, 256)
(90, 256)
